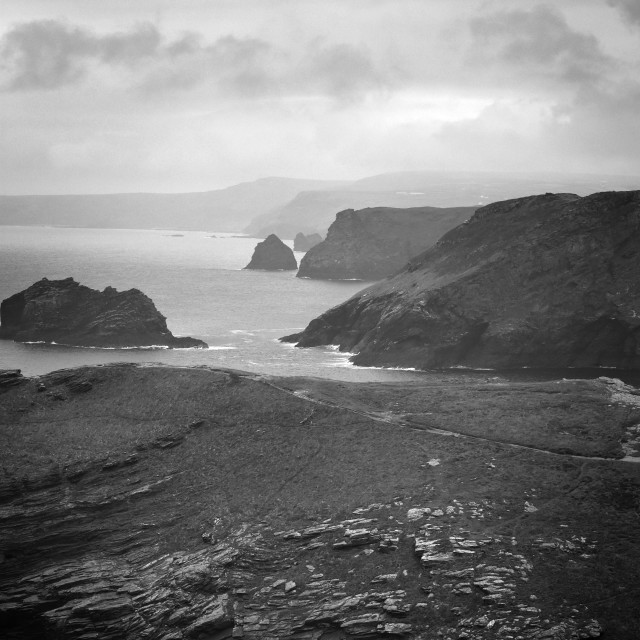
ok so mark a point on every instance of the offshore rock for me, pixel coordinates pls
(304, 243)
(374, 243)
(273, 255)
(542, 281)
(67, 312)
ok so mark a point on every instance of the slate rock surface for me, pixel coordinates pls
(542, 281)
(67, 312)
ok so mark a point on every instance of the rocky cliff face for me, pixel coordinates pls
(304, 243)
(371, 244)
(544, 281)
(177, 504)
(273, 255)
(67, 312)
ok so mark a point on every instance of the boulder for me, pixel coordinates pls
(304, 243)
(67, 312)
(273, 255)
(374, 243)
(543, 281)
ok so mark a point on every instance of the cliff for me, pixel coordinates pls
(304, 243)
(192, 503)
(543, 281)
(273, 255)
(67, 312)
(371, 244)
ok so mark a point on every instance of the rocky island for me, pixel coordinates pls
(304, 243)
(195, 503)
(66, 312)
(273, 255)
(542, 281)
(374, 243)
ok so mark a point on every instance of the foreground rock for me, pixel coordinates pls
(544, 281)
(304, 243)
(175, 503)
(67, 312)
(273, 255)
(371, 244)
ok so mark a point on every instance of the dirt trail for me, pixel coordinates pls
(398, 422)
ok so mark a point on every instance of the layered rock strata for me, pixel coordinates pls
(66, 312)
(371, 244)
(273, 255)
(543, 281)
(194, 503)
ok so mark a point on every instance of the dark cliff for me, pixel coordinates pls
(371, 244)
(67, 312)
(273, 255)
(544, 281)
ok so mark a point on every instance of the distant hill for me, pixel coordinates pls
(229, 209)
(287, 206)
(314, 211)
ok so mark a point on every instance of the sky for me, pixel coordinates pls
(104, 96)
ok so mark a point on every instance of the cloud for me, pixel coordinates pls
(47, 55)
(537, 44)
(630, 9)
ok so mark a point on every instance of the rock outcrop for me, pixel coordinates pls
(371, 244)
(273, 255)
(304, 243)
(543, 281)
(66, 312)
(192, 503)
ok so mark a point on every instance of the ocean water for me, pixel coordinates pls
(197, 282)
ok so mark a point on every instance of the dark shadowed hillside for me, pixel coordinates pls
(543, 281)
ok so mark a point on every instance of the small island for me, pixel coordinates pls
(273, 255)
(66, 312)
(304, 243)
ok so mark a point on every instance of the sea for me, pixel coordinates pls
(197, 281)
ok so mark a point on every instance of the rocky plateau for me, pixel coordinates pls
(166, 503)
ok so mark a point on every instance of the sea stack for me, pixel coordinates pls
(542, 281)
(273, 255)
(371, 244)
(69, 313)
(304, 243)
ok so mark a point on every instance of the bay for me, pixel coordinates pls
(197, 281)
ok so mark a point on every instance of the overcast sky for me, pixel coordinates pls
(188, 95)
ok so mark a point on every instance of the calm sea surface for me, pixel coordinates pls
(198, 283)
